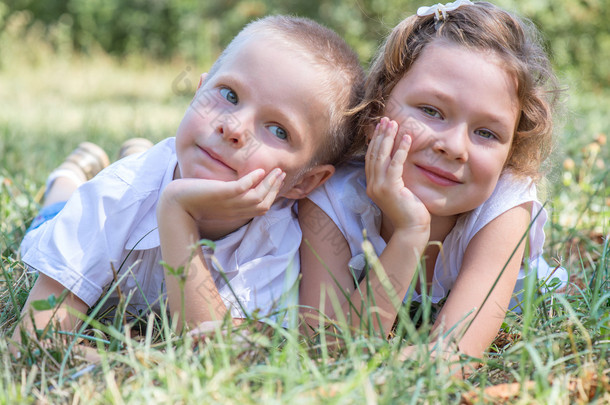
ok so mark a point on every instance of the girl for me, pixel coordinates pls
(468, 95)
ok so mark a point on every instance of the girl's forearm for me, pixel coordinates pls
(388, 283)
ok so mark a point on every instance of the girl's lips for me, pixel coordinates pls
(438, 176)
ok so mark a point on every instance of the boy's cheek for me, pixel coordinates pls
(204, 102)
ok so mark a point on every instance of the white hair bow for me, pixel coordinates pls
(440, 10)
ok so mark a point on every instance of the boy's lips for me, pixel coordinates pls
(216, 158)
(439, 176)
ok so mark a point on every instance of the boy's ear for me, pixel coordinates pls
(316, 176)
(201, 80)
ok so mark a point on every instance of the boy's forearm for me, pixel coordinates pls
(214, 229)
(191, 292)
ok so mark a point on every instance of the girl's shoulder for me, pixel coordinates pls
(344, 200)
(510, 192)
(512, 183)
(348, 173)
(346, 189)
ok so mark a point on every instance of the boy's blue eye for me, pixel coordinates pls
(278, 131)
(229, 95)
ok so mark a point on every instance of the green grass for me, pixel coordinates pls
(556, 352)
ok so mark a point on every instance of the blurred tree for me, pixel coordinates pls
(576, 32)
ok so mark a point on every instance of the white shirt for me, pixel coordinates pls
(110, 224)
(343, 198)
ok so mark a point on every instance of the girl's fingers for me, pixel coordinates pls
(400, 157)
(387, 142)
(371, 151)
(379, 153)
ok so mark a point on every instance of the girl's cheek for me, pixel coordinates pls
(416, 130)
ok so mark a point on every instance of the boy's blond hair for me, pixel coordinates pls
(327, 51)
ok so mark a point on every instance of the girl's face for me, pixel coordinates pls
(460, 107)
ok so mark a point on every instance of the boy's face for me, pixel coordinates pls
(261, 109)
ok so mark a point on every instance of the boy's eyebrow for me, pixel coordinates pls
(232, 81)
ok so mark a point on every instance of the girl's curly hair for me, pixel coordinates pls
(483, 27)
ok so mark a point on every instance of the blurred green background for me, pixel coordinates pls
(577, 31)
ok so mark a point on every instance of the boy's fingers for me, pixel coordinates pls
(249, 180)
(273, 190)
(264, 193)
(270, 184)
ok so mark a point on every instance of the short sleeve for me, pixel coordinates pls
(84, 244)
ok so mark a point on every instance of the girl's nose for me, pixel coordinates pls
(453, 143)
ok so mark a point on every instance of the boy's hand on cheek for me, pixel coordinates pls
(215, 200)
(385, 185)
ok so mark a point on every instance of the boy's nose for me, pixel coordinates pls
(234, 130)
(453, 143)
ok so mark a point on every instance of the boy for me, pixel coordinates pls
(265, 127)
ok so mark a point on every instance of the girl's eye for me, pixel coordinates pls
(278, 132)
(487, 134)
(432, 112)
(229, 95)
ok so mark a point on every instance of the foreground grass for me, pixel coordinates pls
(555, 352)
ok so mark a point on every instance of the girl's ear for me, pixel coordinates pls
(316, 176)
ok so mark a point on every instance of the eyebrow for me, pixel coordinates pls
(489, 117)
(232, 81)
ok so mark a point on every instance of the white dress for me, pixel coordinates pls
(343, 198)
(110, 225)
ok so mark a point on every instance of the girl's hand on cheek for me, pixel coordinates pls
(385, 185)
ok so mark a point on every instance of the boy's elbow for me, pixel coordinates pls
(64, 313)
